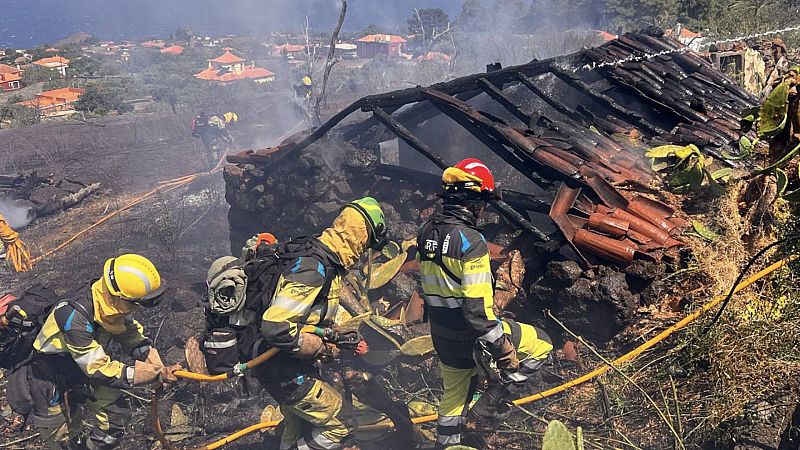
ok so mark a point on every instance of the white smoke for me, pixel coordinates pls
(18, 213)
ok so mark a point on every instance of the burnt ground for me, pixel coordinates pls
(181, 231)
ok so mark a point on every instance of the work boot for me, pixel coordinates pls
(493, 404)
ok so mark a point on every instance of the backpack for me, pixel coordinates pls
(225, 343)
(24, 319)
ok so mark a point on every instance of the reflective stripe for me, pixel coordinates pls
(140, 351)
(444, 302)
(136, 272)
(476, 278)
(532, 364)
(223, 344)
(450, 421)
(493, 335)
(129, 374)
(517, 377)
(301, 444)
(289, 304)
(453, 439)
(441, 279)
(84, 361)
(321, 440)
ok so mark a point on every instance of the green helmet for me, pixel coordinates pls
(372, 212)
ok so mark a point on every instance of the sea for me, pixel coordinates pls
(31, 23)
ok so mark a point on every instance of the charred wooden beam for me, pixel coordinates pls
(501, 207)
(431, 182)
(403, 133)
(629, 116)
(485, 132)
(498, 95)
(416, 94)
(557, 105)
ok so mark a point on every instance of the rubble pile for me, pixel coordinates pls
(584, 152)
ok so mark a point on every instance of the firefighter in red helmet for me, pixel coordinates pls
(459, 294)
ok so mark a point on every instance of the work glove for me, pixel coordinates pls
(167, 374)
(314, 347)
(154, 358)
(504, 355)
(145, 373)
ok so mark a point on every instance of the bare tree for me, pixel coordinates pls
(331, 61)
(310, 51)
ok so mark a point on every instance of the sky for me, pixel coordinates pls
(30, 23)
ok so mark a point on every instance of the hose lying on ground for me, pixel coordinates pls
(628, 357)
(16, 251)
(163, 187)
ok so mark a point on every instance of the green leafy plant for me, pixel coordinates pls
(558, 437)
(687, 165)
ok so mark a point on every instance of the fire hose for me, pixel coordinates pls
(628, 357)
(163, 187)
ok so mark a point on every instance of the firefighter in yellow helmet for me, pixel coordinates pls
(72, 372)
(458, 291)
(298, 322)
(213, 132)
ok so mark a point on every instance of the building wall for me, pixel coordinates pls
(373, 49)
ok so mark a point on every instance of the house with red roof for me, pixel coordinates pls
(58, 63)
(56, 102)
(291, 51)
(373, 45)
(10, 78)
(173, 50)
(229, 68)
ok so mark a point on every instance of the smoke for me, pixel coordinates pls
(18, 213)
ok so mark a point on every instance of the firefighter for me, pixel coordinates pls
(307, 298)
(458, 291)
(72, 372)
(213, 131)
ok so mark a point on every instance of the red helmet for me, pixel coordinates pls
(477, 168)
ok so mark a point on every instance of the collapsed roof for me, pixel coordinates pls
(640, 90)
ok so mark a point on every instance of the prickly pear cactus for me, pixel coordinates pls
(557, 437)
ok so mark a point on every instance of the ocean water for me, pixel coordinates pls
(30, 23)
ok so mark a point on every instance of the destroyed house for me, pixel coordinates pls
(575, 128)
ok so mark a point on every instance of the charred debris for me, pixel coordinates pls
(574, 127)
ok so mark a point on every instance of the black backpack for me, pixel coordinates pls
(25, 317)
(224, 344)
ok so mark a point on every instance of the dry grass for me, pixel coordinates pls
(705, 384)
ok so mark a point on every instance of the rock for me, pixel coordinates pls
(403, 231)
(401, 288)
(562, 273)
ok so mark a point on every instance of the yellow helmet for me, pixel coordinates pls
(133, 278)
(231, 117)
(307, 81)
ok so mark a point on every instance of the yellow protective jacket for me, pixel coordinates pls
(299, 298)
(68, 331)
(456, 277)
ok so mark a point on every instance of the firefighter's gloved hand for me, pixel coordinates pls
(504, 354)
(144, 373)
(167, 374)
(314, 347)
(348, 340)
(154, 358)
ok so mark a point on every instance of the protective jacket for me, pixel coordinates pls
(457, 285)
(307, 295)
(80, 329)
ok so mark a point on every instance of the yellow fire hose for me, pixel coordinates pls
(630, 356)
(163, 187)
